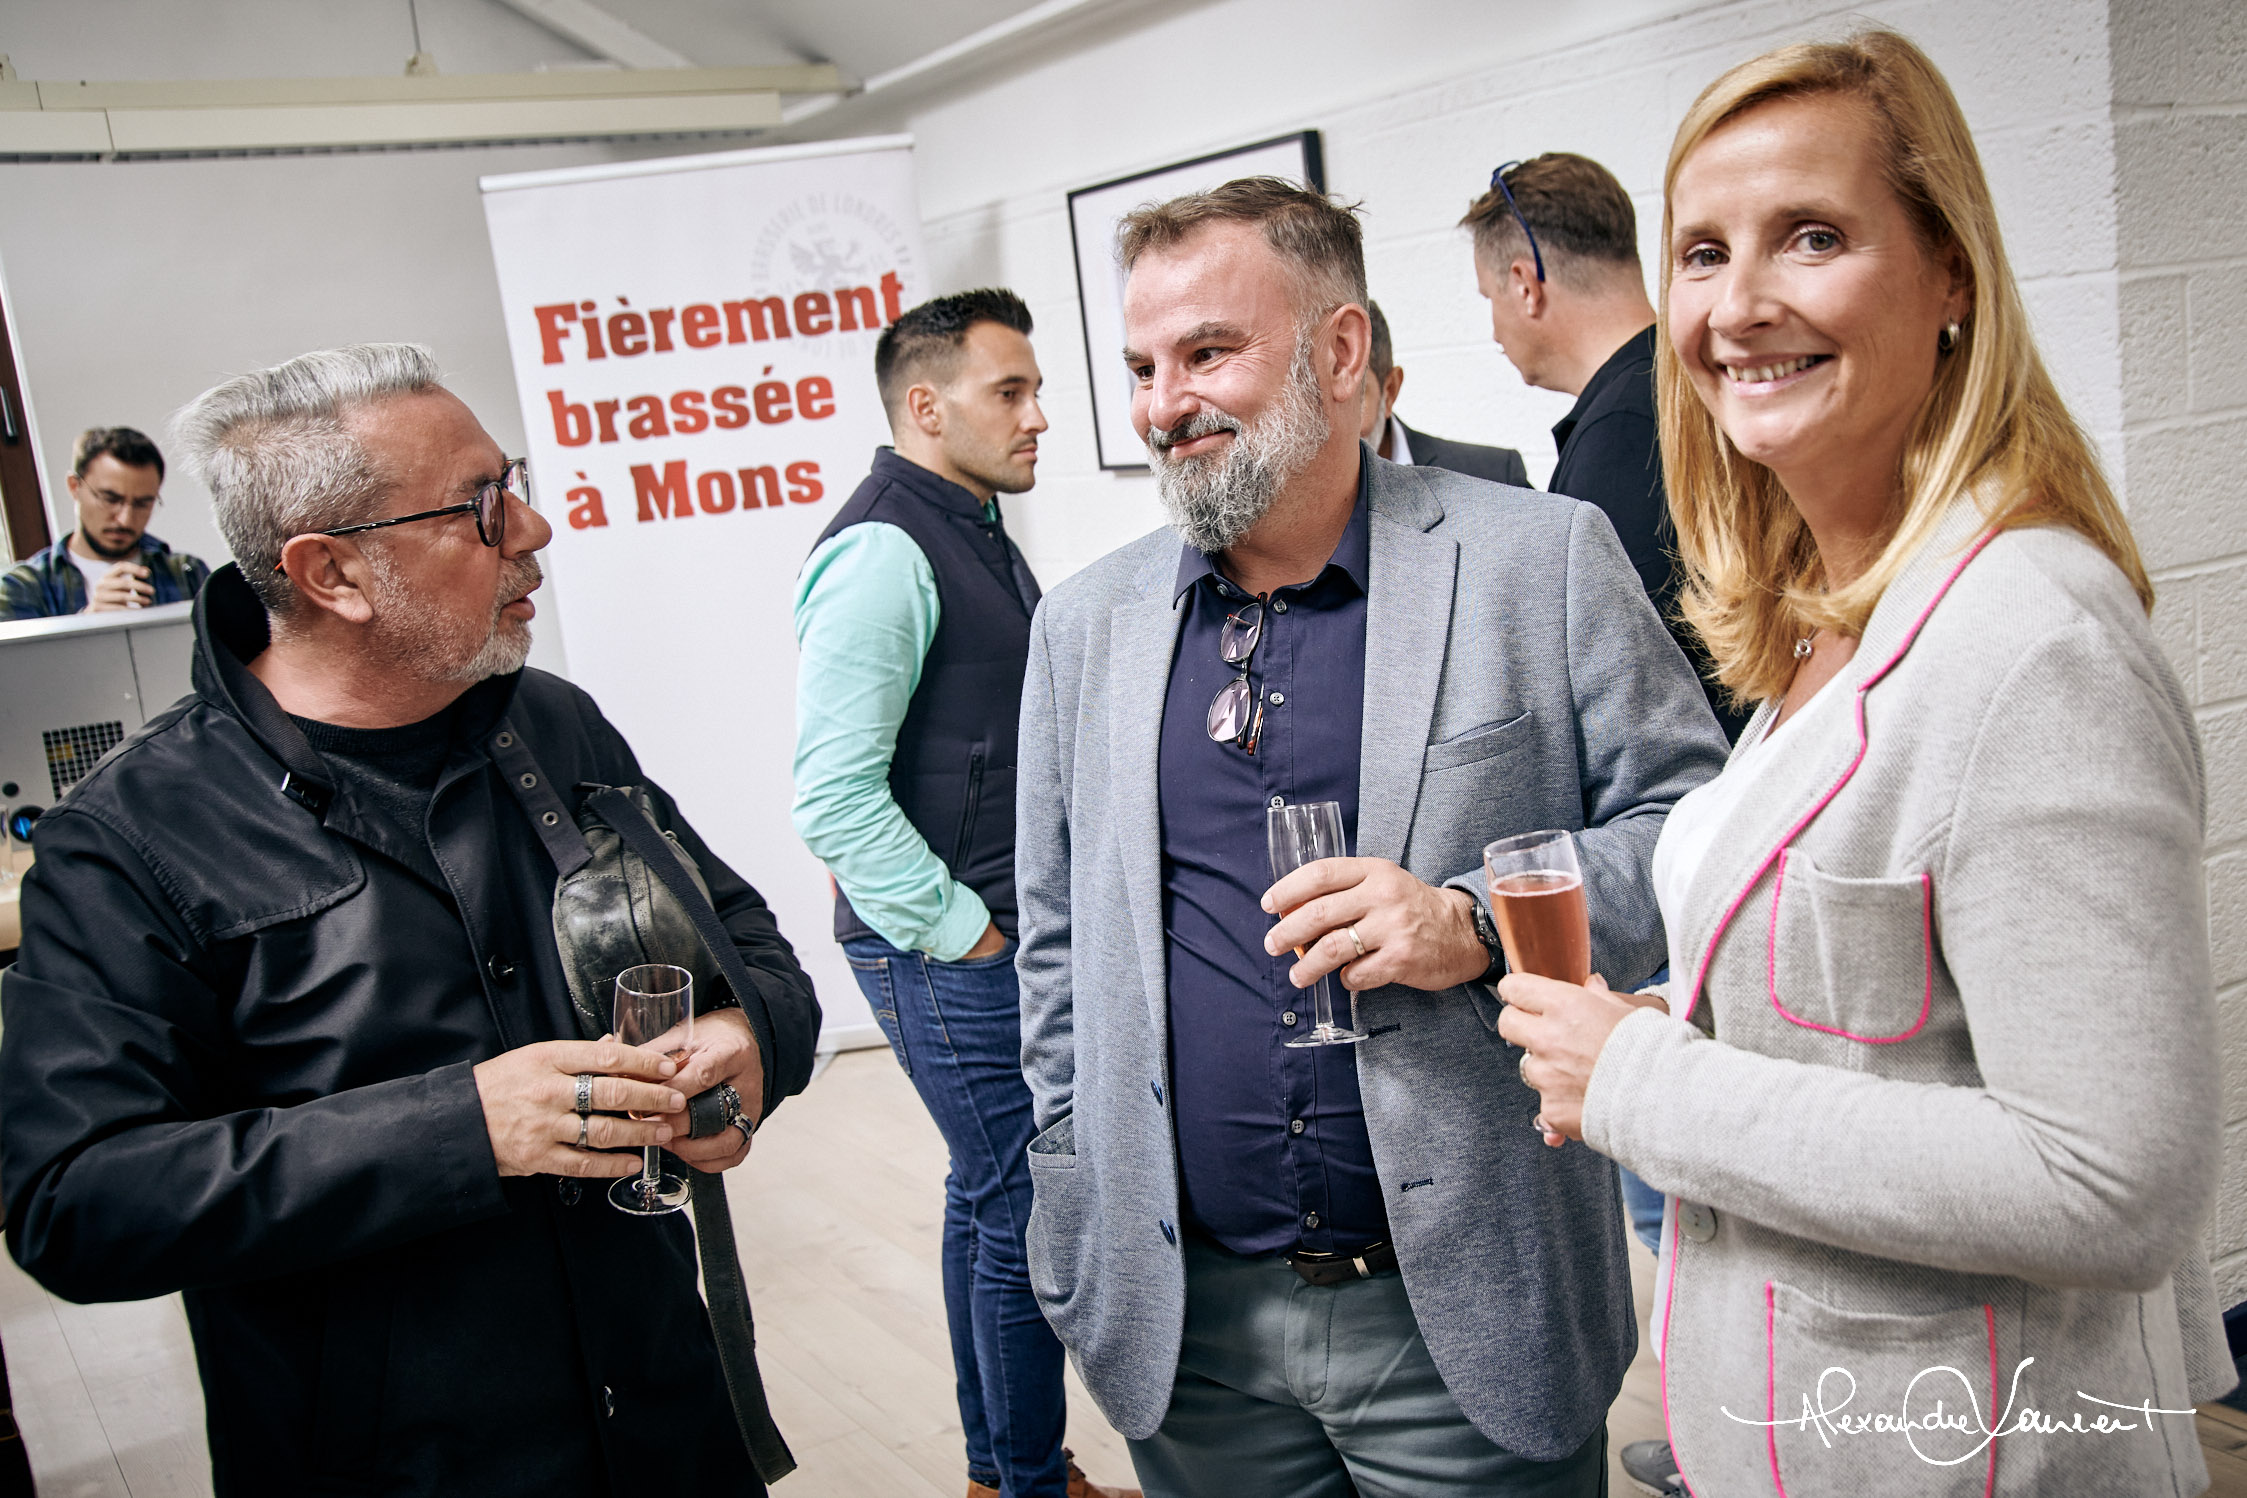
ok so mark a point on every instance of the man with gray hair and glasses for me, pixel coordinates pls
(300, 1043)
(1304, 1269)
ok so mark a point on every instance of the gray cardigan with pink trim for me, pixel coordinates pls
(1942, 1105)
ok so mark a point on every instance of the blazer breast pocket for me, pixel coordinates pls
(1852, 957)
(1477, 744)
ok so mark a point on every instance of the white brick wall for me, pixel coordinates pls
(2180, 145)
(2115, 137)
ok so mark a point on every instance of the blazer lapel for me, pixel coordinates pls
(1411, 579)
(1142, 636)
(1810, 771)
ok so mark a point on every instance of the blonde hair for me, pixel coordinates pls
(1993, 425)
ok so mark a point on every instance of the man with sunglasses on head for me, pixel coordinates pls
(1556, 255)
(290, 1032)
(109, 561)
(1323, 1269)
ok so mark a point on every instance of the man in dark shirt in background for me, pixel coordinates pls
(1556, 254)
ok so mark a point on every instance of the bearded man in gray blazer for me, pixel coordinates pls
(1308, 1271)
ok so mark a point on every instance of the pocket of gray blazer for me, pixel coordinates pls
(1854, 957)
(1056, 1148)
(1475, 744)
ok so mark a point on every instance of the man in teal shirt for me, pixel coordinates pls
(913, 619)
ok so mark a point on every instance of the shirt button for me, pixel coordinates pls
(529, 780)
(1278, 698)
(1279, 800)
(608, 1401)
(505, 741)
(500, 968)
(1295, 1126)
(1288, 1018)
(1310, 1219)
(1279, 605)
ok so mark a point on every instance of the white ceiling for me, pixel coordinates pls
(165, 39)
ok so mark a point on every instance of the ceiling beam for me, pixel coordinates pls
(265, 114)
(600, 33)
(250, 93)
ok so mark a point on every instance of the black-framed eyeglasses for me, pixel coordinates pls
(489, 507)
(1498, 185)
(1236, 713)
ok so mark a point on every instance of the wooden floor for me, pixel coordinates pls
(838, 1212)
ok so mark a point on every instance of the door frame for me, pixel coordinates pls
(23, 500)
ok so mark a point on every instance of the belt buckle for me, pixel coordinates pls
(1307, 1263)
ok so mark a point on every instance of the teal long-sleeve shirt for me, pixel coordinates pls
(866, 611)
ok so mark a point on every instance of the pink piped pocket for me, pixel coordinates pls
(1853, 958)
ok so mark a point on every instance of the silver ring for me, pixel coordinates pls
(584, 1094)
(1356, 940)
(1525, 1070)
(584, 1133)
(748, 1129)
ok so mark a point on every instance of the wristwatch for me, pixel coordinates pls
(1486, 932)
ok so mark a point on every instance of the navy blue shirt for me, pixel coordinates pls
(1272, 1148)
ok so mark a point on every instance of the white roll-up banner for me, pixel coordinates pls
(694, 347)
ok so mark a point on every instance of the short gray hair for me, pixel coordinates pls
(274, 451)
(1318, 237)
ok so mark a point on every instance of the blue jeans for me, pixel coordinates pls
(957, 1030)
(1642, 1205)
(1289, 1390)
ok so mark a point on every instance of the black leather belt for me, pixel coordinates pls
(1339, 1269)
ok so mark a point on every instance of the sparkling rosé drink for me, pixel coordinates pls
(1537, 896)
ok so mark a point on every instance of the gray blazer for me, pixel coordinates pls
(1961, 1107)
(1517, 678)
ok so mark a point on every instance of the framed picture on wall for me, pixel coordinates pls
(1093, 214)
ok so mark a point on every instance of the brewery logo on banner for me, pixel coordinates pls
(826, 274)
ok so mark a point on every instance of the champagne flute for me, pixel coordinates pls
(1297, 835)
(654, 1009)
(1537, 896)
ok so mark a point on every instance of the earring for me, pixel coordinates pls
(1947, 340)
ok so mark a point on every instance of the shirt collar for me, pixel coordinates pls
(1400, 445)
(1352, 554)
(933, 487)
(1639, 350)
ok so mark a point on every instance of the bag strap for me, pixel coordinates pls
(662, 858)
(735, 1328)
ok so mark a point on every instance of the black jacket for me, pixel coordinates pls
(237, 1062)
(1500, 465)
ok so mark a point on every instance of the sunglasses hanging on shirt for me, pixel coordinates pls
(1236, 713)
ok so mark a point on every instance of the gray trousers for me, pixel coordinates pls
(1289, 1390)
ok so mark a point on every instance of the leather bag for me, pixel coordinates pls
(636, 897)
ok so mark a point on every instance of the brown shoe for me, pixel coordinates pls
(1081, 1486)
(977, 1490)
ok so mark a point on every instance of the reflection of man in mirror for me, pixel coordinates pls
(109, 561)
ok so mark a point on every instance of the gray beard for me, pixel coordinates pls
(1214, 501)
(408, 635)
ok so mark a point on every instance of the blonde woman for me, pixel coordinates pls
(1937, 1100)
